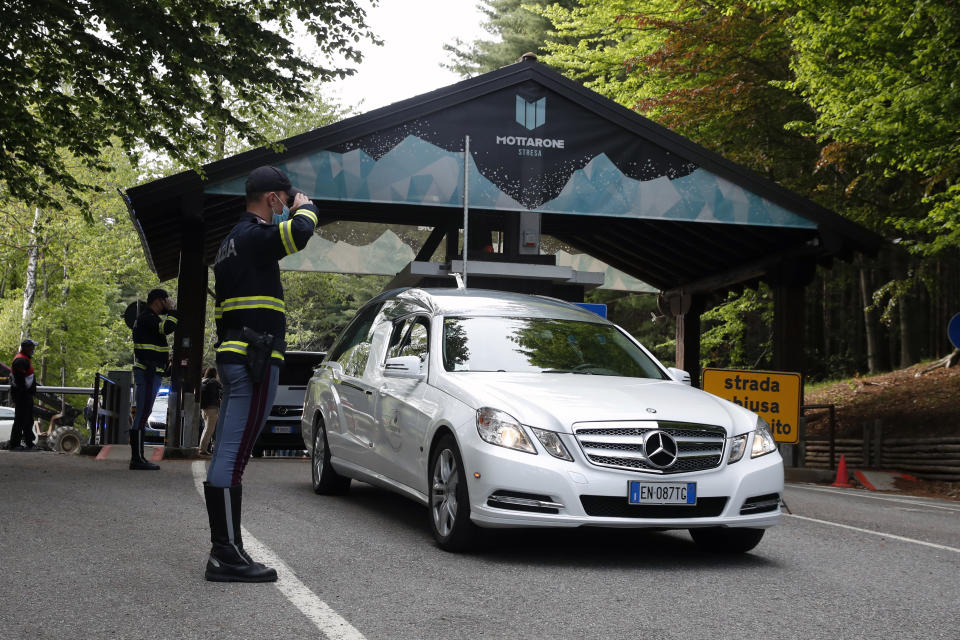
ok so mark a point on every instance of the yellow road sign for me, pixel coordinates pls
(774, 395)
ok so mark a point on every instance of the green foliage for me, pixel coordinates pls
(90, 269)
(736, 333)
(517, 29)
(319, 305)
(884, 78)
(708, 70)
(159, 76)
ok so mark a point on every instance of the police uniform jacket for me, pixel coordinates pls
(248, 289)
(150, 331)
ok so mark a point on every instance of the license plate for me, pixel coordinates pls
(281, 429)
(661, 492)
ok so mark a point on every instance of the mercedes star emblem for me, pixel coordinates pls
(660, 449)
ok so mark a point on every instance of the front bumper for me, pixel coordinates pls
(281, 433)
(578, 493)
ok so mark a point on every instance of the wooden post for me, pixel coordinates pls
(687, 309)
(789, 336)
(866, 444)
(183, 425)
(878, 443)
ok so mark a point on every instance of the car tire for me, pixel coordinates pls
(66, 439)
(726, 540)
(449, 500)
(326, 481)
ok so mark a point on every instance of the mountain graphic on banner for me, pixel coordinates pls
(600, 188)
(388, 254)
(418, 172)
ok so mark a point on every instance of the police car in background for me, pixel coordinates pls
(156, 429)
(282, 430)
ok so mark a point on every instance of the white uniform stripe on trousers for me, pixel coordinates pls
(325, 619)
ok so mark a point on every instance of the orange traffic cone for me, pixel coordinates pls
(843, 478)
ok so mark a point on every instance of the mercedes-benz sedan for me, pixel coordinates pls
(506, 410)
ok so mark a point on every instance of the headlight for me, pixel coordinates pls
(552, 443)
(763, 442)
(737, 446)
(503, 430)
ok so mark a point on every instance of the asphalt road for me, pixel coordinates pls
(92, 550)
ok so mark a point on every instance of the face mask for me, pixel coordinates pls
(283, 216)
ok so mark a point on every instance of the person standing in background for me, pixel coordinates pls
(210, 392)
(23, 387)
(151, 358)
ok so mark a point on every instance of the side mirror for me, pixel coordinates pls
(336, 369)
(403, 367)
(679, 375)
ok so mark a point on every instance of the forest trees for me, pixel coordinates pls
(516, 30)
(77, 77)
(87, 90)
(852, 104)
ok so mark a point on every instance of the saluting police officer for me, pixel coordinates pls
(251, 325)
(151, 356)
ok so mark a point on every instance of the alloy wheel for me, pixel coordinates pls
(446, 477)
(319, 453)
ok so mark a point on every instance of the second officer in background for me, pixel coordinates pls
(251, 333)
(151, 355)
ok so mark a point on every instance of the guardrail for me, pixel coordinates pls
(84, 391)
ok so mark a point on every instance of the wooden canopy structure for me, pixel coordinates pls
(595, 175)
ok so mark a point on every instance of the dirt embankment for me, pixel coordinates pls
(910, 406)
(927, 406)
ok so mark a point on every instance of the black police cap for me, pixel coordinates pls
(267, 178)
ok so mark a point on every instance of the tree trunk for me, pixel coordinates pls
(825, 302)
(30, 287)
(3, 280)
(905, 313)
(46, 329)
(65, 291)
(869, 322)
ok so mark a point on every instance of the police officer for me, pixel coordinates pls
(23, 386)
(151, 357)
(251, 325)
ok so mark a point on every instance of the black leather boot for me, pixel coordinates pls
(137, 461)
(228, 562)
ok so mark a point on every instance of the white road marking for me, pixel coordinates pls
(875, 533)
(325, 619)
(913, 501)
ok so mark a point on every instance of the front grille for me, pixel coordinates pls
(620, 445)
(286, 411)
(618, 507)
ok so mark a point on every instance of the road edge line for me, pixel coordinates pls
(323, 617)
(892, 536)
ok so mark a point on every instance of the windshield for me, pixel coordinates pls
(542, 345)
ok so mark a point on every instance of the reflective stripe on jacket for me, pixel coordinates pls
(247, 271)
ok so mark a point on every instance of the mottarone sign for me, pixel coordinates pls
(774, 395)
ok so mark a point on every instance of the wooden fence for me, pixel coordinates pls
(928, 458)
